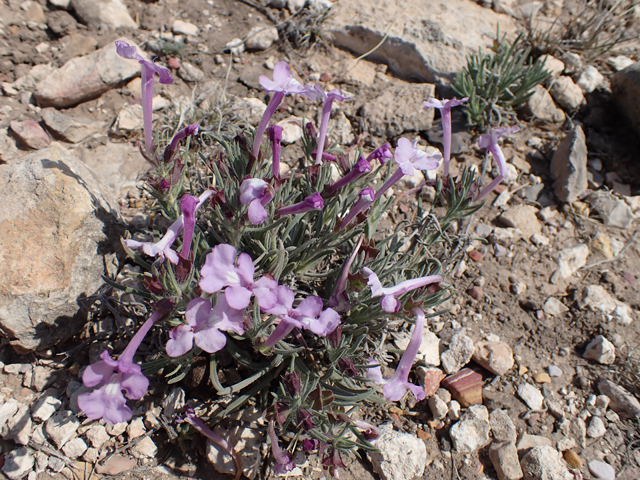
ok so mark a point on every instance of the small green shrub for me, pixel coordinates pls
(498, 82)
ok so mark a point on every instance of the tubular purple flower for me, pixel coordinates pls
(188, 205)
(445, 112)
(382, 154)
(369, 431)
(325, 156)
(149, 69)
(275, 137)
(359, 169)
(389, 302)
(171, 150)
(409, 158)
(339, 299)
(284, 459)
(257, 193)
(365, 199)
(108, 402)
(162, 248)
(282, 84)
(396, 386)
(315, 92)
(490, 142)
(312, 202)
(308, 315)
(205, 326)
(220, 442)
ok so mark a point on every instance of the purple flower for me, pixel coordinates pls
(205, 326)
(162, 248)
(219, 271)
(490, 142)
(445, 112)
(198, 424)
(369, 431)
(339, 299)
(171, 150)
(149, 69)
(312, 202)
(361, 167)
(389, 302)
(308, 315)
(282, 84)
(365, 199)
(257, 193)
(188, 206)
(409, 158)
(275, 137)
(382, 154)
(396, 386)
(315, 92)
(284, 459)
(108, 402)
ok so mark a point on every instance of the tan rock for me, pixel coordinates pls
(497, 357)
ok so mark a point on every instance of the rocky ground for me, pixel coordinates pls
(539, 344)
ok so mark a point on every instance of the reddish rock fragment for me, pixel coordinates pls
(30, 134)
(173, 63)
(325, 77)
(432, 379)
(465, 386)
(476, 292)
(475, 255)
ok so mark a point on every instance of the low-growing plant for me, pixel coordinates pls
(293, 276)
(498, 82)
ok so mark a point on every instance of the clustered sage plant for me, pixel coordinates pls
(289, 275)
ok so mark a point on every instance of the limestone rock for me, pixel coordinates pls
(622, 402)
(53, 220)
(602, 470)
(70, 129)
(625, 86)
(190, 73)
(571, 259)
(28, 82)
(249, 108)
(61, 427)
(522, 217)
(261, 37)
(544, 463)
(74, 448)
(401, 455)
(531, 396)
(30, 134)
(590, 79)
(597, 299)
(541, 106)
(460, 351)
(130, 119)
(429, 351)
(103, 13)
(567, 93)
(596, 428)
(19, 426)
(553, 65)
(87, 77)
(247, 443)
(428, 41)
(554, 307)
(180, 27)
(600, 350)
(502, 427)
(46, 406)
(8, 149)
(497, 357)
(18, 463)
(399, 109)
(472, 431)
(504, 458)
(569, 166)
(613, 211)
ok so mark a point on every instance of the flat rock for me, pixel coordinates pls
(8, 409)
(61, 427)
(429, 351)
(569, 166)
(398, 110)
(541, 106)
(613, 211)
(544, 463)
(567, 93)
(247, 443)
(465, 386)
(74, 448)
(554, 307)
(30, 134)
(103, 13)
(190, 73)
(70, 129)
(145, 448)
(522, 217)
(621, 401)
(596, 428)
(116, 465)
(401, 455)
(625, 86)
(8, 149)
(502, 427)
(531, 396)
(84, 78)
(504, 458)
(261, 37)
(97, 435)
(472, 431)
(130, 119)
(19, 426)
(45, 407)
(426, 42)
(461, 349)
(602, 470)
(497, 357)
(596, 298)
(28, 82)
(600, 350)
(553, 65)
(572, 259)
(181, 27)
(53, 224)
(18, 463)
(249, 108)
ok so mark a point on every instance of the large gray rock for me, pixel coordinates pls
(428, 41)
(84, 78)
(54, 217)
(103, 13)
(399, 109)
(625, 86)
(544, 463)
(401, 455)
(613, 211)
(472, 431)
(569, 166)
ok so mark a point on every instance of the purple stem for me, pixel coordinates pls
(274, 103)
(494, 183)
(188, 206)
(130, 351)
(325, 156)
(324, 124)
(446, 134)
(147, 106)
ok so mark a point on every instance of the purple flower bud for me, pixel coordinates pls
(382, 154)
(359, 169)
(365, 199)
(339, 299)
(335, 337)
(347, 367)
(315, 92)
(312, 202)
(188, 205)
(171, 150)
(303, 417)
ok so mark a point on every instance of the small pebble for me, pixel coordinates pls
(475, 255)
(573, 459)
(554, 371)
